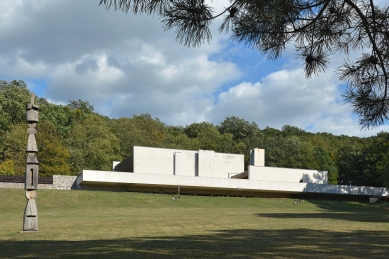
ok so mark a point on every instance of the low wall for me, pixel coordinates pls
(64, 182)
(276, 174)
(60, 182)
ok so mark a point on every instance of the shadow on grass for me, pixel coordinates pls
(347, 211)
(241, 243)
(347, 216)
(334, 205)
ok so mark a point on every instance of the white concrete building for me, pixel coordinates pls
(206, 172)
(202, 163)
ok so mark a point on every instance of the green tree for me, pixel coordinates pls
(317, 28)
(13, 99)
(372, 161)
(15, 147)
(364, 161)
(176, 138)
(84, 107)
(53, 157)
(62, 117)
(4, 127)
(140, 130)
(271, 132)
(350, 161)
(7, 167)
(92, 145)
(325, 163)
(193, 130)
(211, 139)
(283, 152)
(127, 134)
(246, 135)
(383, 169)
(239, 128)
(288, 130)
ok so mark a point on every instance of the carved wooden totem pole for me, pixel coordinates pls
(30, 222)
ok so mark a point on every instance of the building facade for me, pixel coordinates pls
(206, 172)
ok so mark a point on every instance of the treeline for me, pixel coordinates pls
(74, 137)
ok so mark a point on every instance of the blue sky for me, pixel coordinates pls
(125, 64)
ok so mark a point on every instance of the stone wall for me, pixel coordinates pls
(60, 182)
(64, 182)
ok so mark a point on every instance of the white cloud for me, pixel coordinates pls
(286, 98)
(125, 64)
(15, 66)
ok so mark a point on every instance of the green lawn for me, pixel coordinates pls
(86, 224)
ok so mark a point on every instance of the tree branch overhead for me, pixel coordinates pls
(318, 29)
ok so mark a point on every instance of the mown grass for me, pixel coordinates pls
(86, 224)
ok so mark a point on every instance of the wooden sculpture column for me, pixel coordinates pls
(30, 222)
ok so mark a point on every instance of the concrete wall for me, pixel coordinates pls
(206, 163)
(149, 160)
(227, 165)
(257, 157)
(276, 174)
(185, 163)
(220, 165)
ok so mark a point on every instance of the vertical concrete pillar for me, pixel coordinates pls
(257, 157)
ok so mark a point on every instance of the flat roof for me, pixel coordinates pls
(91, 177)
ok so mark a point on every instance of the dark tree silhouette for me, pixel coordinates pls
(318, 29)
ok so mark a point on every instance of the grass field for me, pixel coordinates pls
(86, 224)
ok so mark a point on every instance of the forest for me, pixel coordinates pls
(74, 137)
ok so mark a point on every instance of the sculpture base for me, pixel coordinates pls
(30, 222)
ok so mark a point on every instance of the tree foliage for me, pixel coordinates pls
(84, 107)
(325, 163)
(15, 147)
(317, 28)
(92, 145)
(7, 167)
(62, 117)
(14, 96)
(53, 157)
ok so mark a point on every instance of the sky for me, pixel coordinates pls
(126, 64)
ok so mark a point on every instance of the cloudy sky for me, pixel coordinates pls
(125, 64)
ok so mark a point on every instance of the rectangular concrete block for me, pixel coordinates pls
(206, 163)
(186, 163)
(257, 157)
(161, 161)
(227, 165)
